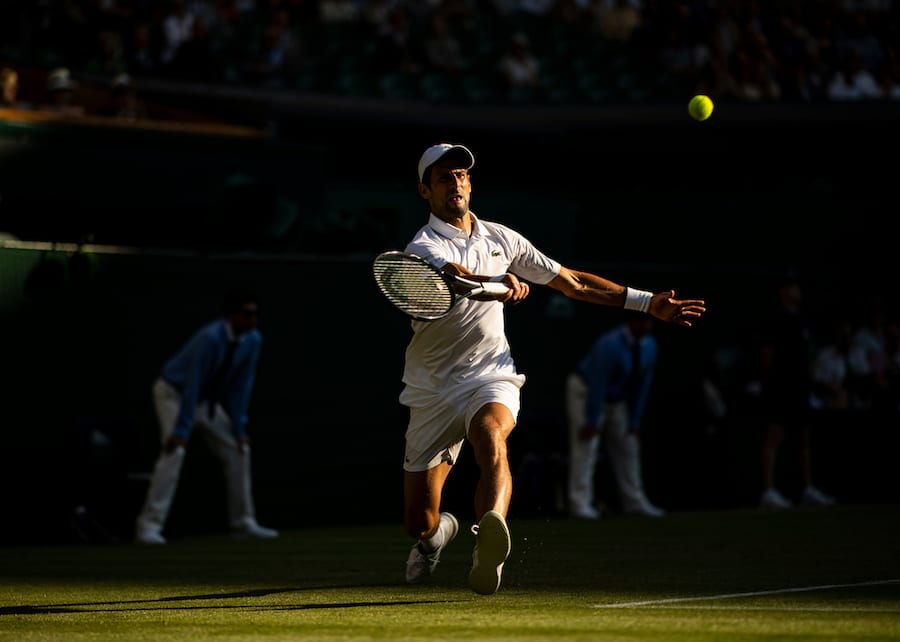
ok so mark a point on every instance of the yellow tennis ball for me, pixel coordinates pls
(700, 107)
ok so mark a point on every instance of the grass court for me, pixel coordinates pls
(799, 574)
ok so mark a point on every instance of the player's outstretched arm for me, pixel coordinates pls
(584, 286)
(591, 288)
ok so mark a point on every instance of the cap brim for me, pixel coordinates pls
(435, 154)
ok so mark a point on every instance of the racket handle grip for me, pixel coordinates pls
(494, 288)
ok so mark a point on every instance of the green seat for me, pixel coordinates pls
(397, 86)
(435, 87)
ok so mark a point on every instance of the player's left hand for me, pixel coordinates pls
(518, 290)
(664, 306)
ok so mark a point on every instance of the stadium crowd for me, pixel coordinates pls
(471, 51)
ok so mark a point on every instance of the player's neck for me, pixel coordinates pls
(463, 222)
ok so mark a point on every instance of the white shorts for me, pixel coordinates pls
(438, 423)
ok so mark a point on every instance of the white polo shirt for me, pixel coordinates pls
(469, 345)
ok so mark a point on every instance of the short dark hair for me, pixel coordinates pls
(237, 297)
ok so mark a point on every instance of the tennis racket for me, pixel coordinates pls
(420, 289)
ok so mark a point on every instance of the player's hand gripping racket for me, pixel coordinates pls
(420, 289)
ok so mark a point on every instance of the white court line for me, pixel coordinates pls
(768, 609)
(725, 596)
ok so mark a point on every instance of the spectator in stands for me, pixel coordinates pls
(755, 68)
(125, 104)
(398, 48)
(830, 371)
(890, 81)
(891, 406)
(376, 14)
(534, 15)
(712, 407)
(339, 11)
(868, 356)
(9, 90)
(732, 32)
(177, 29)
(108, 57)
(278, 55)
(519, 68)
(143, 49)
(795, 50)
(858, 35)
(851, 81)
(195, 58)
(442, 49)
(616, 20)
(62, 93)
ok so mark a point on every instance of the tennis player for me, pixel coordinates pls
(460, 380)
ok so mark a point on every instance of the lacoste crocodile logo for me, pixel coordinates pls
(495, 253)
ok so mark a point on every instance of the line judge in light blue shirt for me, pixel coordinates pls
(206, 386)
(606, 396)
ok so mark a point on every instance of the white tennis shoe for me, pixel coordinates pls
(812, 496)
(492, 547)
(420, 565)
(250, 529)
(149, 537)
(771, 498)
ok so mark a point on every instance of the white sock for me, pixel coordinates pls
(433, 543)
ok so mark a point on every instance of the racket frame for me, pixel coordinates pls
(451, 281)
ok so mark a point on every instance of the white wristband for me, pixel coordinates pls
(498, 279)
(637, 299)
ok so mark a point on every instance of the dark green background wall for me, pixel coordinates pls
(713, 209)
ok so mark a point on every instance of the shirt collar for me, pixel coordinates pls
(449, 231)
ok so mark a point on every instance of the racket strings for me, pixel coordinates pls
(414, 287)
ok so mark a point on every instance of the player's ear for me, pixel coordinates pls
(424, 191)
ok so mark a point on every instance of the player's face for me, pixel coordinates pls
(448, 191)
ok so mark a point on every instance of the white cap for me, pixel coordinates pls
(121, 81)
(436, 152)
(60, 79)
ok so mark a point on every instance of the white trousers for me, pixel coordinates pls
(623, 448)
(217, 433)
